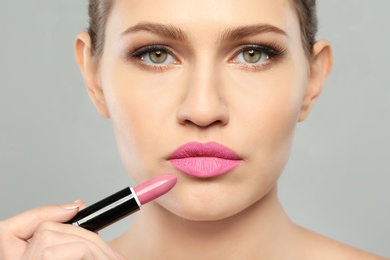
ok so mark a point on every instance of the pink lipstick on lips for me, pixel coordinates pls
(123, 203)
(204, 160)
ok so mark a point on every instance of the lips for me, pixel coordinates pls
(204, 160)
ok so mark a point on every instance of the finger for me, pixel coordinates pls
(81, 203)
(83, 206)
(51, 234)
(24, 225)
(75, 250)
(120, 257)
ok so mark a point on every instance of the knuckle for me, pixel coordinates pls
(44, 233)
(2, 228)
(47, 254)
(43, 238)
(4, 231)
(45, 226)
(96, 236)
(84, 251)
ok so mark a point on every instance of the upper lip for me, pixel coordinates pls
(210, 149)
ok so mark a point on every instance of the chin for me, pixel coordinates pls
(204, 215)
(207, 207)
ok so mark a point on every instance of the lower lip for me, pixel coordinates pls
(204, 167)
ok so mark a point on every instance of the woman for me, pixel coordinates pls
(203, 79)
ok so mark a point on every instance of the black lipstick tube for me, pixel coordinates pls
(107, 211)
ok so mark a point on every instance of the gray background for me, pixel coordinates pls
(54, 148)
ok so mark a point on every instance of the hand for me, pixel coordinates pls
(39, 234)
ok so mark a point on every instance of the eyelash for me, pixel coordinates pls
(138, 53)
(272, 51)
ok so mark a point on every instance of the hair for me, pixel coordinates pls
(99, 11)
(306, 10)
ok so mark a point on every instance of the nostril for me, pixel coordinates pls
(204, 120)
(202, 124)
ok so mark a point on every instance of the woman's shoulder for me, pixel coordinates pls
(321, 247)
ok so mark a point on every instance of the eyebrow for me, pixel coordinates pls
(166, 31)
(230, 34)
(240, 32)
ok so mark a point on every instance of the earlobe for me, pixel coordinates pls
(320, 67)
(89, 68)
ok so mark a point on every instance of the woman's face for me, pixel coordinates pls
(228, 72)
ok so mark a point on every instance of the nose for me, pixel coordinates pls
(203, 104)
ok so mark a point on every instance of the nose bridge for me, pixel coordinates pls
(204, 102)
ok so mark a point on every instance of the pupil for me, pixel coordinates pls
(252, 56)
(158, 56)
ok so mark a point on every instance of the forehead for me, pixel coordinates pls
(201, 15)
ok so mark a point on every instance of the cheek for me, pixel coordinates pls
(140, 110)
(270, 104)
(128, 113)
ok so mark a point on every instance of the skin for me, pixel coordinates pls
(204, 96)
(204, 92)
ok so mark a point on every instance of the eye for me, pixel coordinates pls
(154, 55)
(157, 57)
(252, 56)
(258, 56)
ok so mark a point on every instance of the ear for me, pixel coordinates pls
(89, 67)
(320, 66)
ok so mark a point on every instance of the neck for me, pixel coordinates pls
(261, 229)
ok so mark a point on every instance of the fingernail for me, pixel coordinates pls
(70, 206)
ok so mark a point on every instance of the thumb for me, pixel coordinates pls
(81, 203)
(24, 225)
